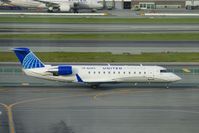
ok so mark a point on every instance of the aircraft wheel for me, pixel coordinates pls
(50, 11)
(76, 11)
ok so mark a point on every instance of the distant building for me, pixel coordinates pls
(117, 4)
(143, 4)
(158, 4)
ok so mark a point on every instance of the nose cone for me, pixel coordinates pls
(176, 78)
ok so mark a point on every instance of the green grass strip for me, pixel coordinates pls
(106, 57)
(30, 19)
(119, 36)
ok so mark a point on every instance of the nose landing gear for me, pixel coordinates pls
(167, 85)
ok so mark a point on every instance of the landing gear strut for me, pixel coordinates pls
(167, 85)
(75, 9)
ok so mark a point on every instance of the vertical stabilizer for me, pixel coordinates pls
(27, 58)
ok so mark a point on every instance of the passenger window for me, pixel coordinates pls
(113, 72)
(94, 72)
(124, 72)
(99, 72)
(109, 72)
(139, 72)
(104, 72)
(118, 72)
(129, 72)
(89, 72)
(144, 72)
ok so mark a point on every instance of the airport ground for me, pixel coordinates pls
(30, 105)
(175, 35)
(115, 38)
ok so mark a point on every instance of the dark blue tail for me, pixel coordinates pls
(27, 58)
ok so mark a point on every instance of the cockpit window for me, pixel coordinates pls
(163, 71)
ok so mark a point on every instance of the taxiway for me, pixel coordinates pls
(109, 110)
(44, 28)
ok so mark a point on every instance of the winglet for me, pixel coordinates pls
(78, 78)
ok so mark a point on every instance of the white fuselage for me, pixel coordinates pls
(83, 4)
(28, 3)
(107, 74)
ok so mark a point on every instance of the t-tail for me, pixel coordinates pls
(27, 58)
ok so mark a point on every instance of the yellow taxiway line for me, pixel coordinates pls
(10, 106)
(10, 117)
(94, 95)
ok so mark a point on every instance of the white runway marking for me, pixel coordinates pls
(172, 14)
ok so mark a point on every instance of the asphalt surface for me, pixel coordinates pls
(38, 28)
(73, 109)
(31, 105)
(94, 43)
(118, 47)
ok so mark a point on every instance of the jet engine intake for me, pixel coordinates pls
(65, 70)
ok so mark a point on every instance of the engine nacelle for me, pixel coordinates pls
(65, 70)
(64, 7)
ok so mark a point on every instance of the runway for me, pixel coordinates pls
(118, 47)
(83, 110)
(94, 43)
(44, 28)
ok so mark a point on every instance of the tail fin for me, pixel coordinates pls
(27, 58)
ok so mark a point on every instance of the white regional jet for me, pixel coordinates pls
(93, 75)
(58, 5)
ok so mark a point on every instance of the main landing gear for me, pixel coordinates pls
(94, 86)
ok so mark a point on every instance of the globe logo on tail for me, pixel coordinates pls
(31, 61)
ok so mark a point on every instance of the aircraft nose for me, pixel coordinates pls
(176, 78)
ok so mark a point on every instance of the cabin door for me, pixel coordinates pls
(151, 76)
